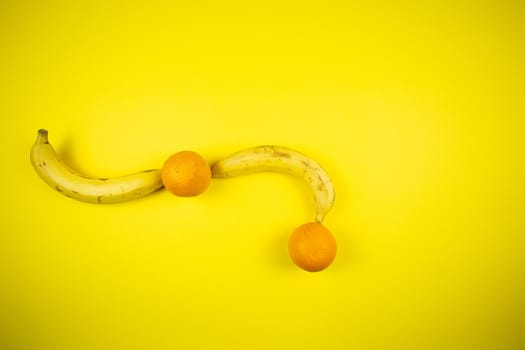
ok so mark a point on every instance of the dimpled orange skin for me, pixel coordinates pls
(312, 247)
(186, 174)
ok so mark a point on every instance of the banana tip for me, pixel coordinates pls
(42, 136)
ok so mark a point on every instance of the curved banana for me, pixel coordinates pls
(71, 184)
(282, 160)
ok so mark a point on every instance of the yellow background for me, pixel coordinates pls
(415, 110)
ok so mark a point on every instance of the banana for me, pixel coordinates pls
(282, 160)
(71, 184)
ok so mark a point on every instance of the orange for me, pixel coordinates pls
(186, 174)
(312, 247)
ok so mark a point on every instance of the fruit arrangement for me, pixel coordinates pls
(311, 246)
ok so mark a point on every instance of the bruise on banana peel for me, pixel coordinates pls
(71, 184)
(282, 160)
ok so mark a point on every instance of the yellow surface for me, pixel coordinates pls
(415, 110)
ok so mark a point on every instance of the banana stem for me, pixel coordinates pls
(41, 138)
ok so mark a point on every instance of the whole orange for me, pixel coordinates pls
(186, 174)
(312, 247)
